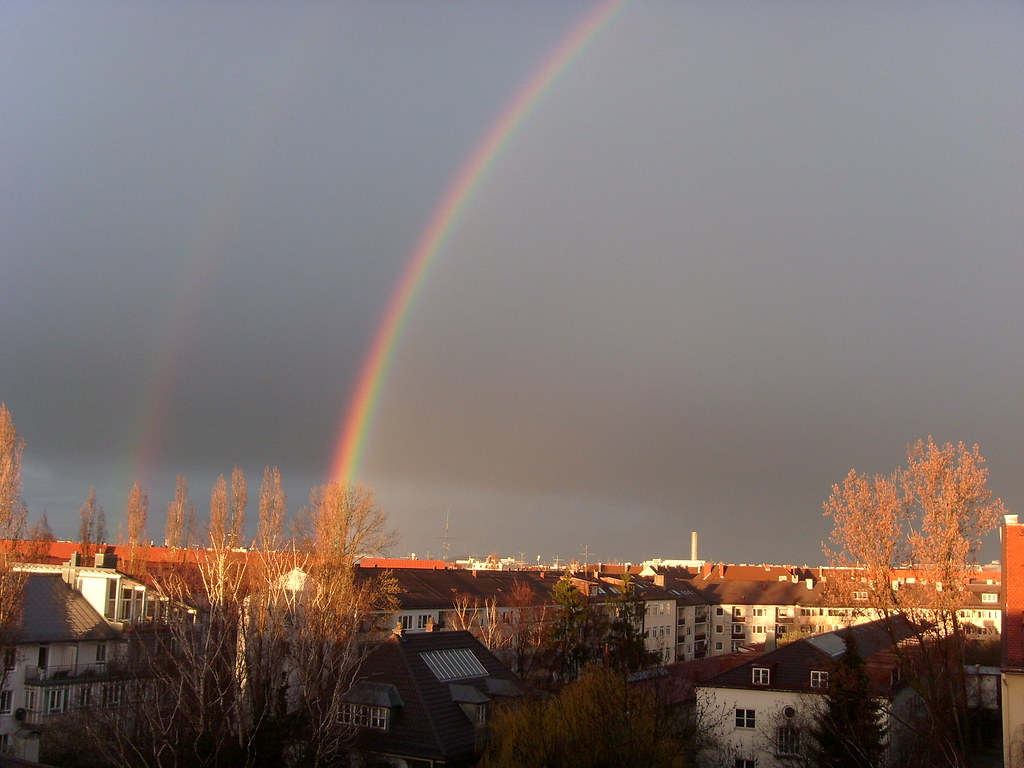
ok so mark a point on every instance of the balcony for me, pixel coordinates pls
(57, 674)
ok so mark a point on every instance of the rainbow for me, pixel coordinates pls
(362, 406)
(215, 221)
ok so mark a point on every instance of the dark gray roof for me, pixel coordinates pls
(53, 612)
(790, 664)
(431, 725)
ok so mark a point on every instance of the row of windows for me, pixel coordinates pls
(365, 715)
(737, 612)
(65, 698)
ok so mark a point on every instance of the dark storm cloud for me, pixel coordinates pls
(732, 253)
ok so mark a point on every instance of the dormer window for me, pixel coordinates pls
(819, 679)
(365, 715)
(989, 597)
(762, 676)
(368, 705)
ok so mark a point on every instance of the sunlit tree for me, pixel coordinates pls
(926, 519)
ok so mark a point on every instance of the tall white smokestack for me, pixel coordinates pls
(693, 545)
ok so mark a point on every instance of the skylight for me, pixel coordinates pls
(453, 663)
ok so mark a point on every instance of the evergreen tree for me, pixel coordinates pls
(572, 635)
(627, 650)
(848, 732)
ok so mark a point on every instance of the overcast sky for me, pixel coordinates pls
(734, 251)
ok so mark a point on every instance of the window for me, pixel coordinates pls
(805, 612)
(30, 699)
(719, 628)
(481, 714)
(719, 611)
(744, 718)
(718, 646)
(860, 595)
(5, 742)
(737, 611)
(989, 597)
(364, 715)
(736, 645)
(84, 697)
(757, 629)
(56, 698)
(741, 762)
(101, 653)
(762, 675)
(111, 694)
(787, 741)
(111, 609)
(819, 679)
(10, 659)
(758, 612)
(421, 620)
(6, 697)
(737, 629)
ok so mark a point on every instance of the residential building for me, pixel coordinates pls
(768, 703)
(426, 698)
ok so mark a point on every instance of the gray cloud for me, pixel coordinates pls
(733, 252)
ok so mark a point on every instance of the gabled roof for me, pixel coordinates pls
(763, 592)
(53, 612)
(790, 665)
(430, 724)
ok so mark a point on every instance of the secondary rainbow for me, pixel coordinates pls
(362, 406)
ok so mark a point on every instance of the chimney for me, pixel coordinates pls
(1011, 560)
(693, 545)
(399, 630)
(430, 624)
(705, 569)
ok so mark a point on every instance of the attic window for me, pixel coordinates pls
(989, 597)
(819, 679)
(364, 715)
(762, 676)
(453, 663)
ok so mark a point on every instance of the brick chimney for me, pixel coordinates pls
(1013, 591)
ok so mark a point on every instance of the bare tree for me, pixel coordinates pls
(181, 515)
(137, 509)
(12, 525)
(272, 512)
(926, 520)
(12, 511)
(239, 498)
(88, 516)
(40, 536)
(258, 677)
